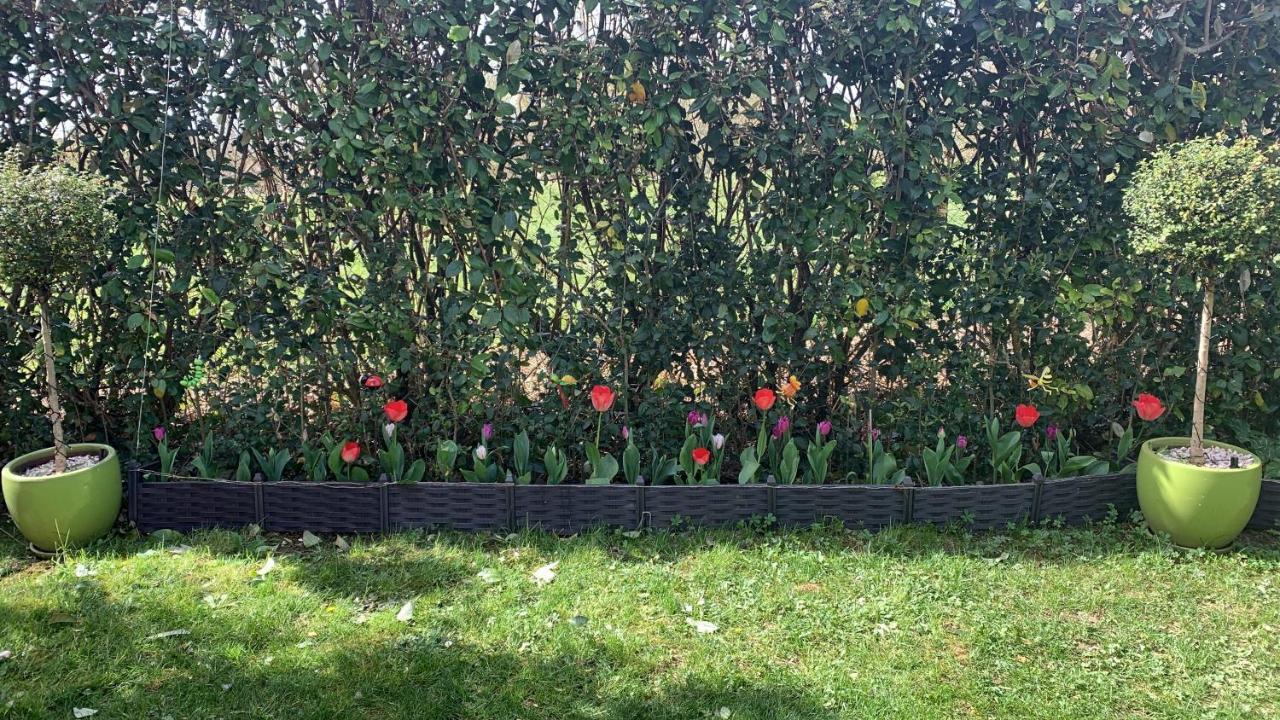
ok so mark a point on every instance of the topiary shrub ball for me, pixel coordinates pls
(1210, 202)
(53, 223)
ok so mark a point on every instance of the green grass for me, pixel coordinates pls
(913, 623)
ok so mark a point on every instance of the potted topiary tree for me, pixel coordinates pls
(1211, 206)
(53, 222)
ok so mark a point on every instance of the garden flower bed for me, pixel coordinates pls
(771, 488)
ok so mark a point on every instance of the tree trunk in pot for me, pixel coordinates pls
(51, 383)
(1202, 377)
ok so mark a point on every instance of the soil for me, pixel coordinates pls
(74, 462)
(1214, 457)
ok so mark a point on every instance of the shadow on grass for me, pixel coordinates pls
(106, 661)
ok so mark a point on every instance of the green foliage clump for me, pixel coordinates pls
(52, 222)
(1213, 203)
(909, 205)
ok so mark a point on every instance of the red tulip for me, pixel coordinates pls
(350, 452)
(1148, 406)
(601, 398)
(396, 410)
(1026, 415)
(372, 382)
(764, 399)
(701, 456)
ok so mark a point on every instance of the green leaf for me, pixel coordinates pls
(458, 33)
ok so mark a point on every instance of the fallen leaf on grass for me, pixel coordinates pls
(488, 575)
(702, 626)
(83, 712)
(342, 544)
(546, 573)
(267, 567)
(406, 612)
(309, 539)
(83, 571)
(5, 655)
(578, 620)
(169, 634)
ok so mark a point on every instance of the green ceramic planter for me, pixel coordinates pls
(1195, 506)
(68, 510)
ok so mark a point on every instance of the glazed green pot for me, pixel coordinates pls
(1195, 506)
(60, 512)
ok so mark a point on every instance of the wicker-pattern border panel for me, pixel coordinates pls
(188, 505)
(1076, 501)
(352, 507)
(573, 508)
(1267, 516)
(706, 506)
(976, 506)
(321, 507)
(858, 507)
(459, 506)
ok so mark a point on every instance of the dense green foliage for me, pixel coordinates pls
(909, 205)
(813, 625)
(53, 222)
(1209, 204)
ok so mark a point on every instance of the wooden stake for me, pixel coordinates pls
(1202, 377)
(51, 383)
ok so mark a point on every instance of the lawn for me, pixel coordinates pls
(1099, 623)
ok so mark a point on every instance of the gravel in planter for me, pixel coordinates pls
(74, 462)
(1214, 457)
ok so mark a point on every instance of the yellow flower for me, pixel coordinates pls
(862, 307)
(790, 388)
(568, 380)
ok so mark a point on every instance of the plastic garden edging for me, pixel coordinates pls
(382, 507)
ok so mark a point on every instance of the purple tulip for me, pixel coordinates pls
(626, 432)
(486, 432)
(696, 419)
(158, 433)
(1051, 433)
(962, 442)
(781, 427)
(824, 428)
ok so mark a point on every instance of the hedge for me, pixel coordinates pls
(909, 205)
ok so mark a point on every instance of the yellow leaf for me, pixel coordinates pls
(637, 93)
(1125, 8)
(1257, 400)
(862, 307)
(1199, 96)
